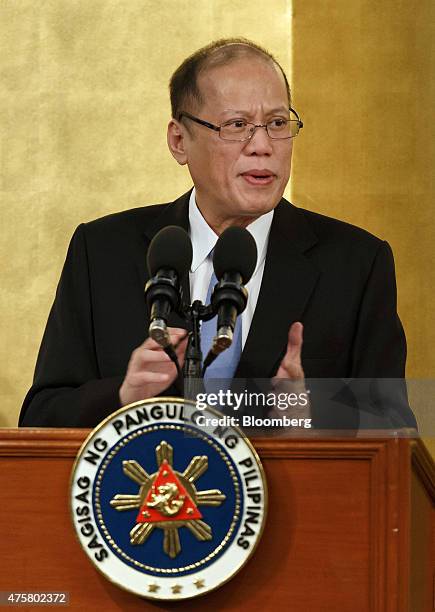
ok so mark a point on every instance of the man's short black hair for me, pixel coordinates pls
(183, 86)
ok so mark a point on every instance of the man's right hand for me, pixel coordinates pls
(150, 371)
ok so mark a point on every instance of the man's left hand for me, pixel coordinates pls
(290, 378)
(291, 364)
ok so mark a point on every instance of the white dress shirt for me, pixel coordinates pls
(203, 241)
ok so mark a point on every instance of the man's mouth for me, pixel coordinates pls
(258, 177)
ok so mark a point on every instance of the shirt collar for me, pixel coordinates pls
(202, 236)
(204, 239)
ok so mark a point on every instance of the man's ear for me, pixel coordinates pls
(176, 139)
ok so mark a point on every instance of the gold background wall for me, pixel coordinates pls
(84, 107)
(364, 81)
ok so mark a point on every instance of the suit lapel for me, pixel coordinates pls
(176, 213)
(289, 278)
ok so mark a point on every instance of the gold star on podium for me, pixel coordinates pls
(199, 583)
(176, 588)
(153, 588)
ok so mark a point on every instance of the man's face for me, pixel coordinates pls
(237, 182)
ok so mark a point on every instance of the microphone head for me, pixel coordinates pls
(170, 248)
(235, 251)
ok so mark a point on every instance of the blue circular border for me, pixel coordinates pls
(187, 430)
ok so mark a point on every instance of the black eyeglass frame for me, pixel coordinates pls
(217, 128)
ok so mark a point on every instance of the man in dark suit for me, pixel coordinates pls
(320, 278)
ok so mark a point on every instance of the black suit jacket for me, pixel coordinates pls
(336, 278)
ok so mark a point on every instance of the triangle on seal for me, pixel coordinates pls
(167, 500)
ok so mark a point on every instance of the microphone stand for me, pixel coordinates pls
(193, 375)
(192, 378)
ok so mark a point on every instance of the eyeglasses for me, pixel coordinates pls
(239, 130)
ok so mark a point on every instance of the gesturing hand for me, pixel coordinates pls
(290, 378)
(291, 364)
(150, 370)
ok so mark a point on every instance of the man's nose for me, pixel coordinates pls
(259, 143)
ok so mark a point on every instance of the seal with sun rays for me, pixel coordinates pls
(164, 507)
(168, 500)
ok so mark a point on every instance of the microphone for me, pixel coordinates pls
(234, 261)
(169, 259)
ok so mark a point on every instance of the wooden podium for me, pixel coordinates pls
(350, 527)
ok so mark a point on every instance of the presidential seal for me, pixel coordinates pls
(163, 506)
